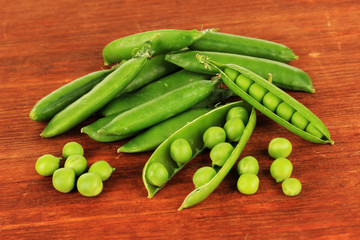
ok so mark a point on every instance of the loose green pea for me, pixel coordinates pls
(77, 162)
(157, 174)
(180, 150)
(47, 164)
(310, 128)
(279, 148)
(220, 153)
(291, 187)
(72, 148)
(214, 135)
(257, 92)
(63, 179)
(234, 129)
(231, 73)
(271, 101)
(203, 175)
(248, 164)
(299, 121)
(238, 112)
(243, 82)
(281, 169)
(102, 168)
(248, 183)
(89, 184)
(285, 111)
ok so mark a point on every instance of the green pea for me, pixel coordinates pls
(47, 164)
(271, 101)
(63, 179)
(243, 82)
(231, 73)
(234, 129)
(299, 121)
(220, 153)
(248, 164)
(157, 174)
(281, 169)
(203, 175)
(77, 162)
(310, 128)
(248, 183)
(72, 148)
(238, 112)
(180, 150)
(102, 168)
(285, 111)
(291, 187)
(89, 184)
(257, 92)
(214, 135)
(279, 148)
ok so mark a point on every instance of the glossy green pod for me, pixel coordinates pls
(284, 75)
(286, 98)
(164, 40)
(193, 133)
(230, 43)
(200, 193)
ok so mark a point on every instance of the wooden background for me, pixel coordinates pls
(45, 44)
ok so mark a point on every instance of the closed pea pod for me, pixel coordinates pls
(293, 104)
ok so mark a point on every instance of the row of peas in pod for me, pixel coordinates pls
(89, 184)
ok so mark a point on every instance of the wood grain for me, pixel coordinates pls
(45, 44)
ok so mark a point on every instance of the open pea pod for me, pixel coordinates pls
(193, 133)
(314, 130)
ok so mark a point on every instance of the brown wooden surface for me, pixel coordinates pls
(45, 44)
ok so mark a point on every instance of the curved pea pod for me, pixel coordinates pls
(230, 43)
(165, 40)
(304, 112)
(201, 193)
(284, 75)
(193, 133)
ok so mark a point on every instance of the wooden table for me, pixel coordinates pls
(45, 44)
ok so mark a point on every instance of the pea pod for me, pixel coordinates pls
(193, 133)
(202, 192)
(159, 109)
(284, 75)
(151, 91)
(164, 41)
(57, 100)
(318, 132)
(99, 96)
(223, 42)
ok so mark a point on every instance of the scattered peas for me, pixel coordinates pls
(72, 148)
(281, 169)
(214, 135)
(238, 112)
(279, 148)
(157, 174)
(291, 187)
(77, 162)
(234, 129)
(248, 164)
(203, 175)
(180, 150)
(89, 184)
(102, 168)
(248, 183)
(47, 164)
(64, 179)
(220, 153)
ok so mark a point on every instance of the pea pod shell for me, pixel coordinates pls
(193, 133)
(310, 116)
(200, 193)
